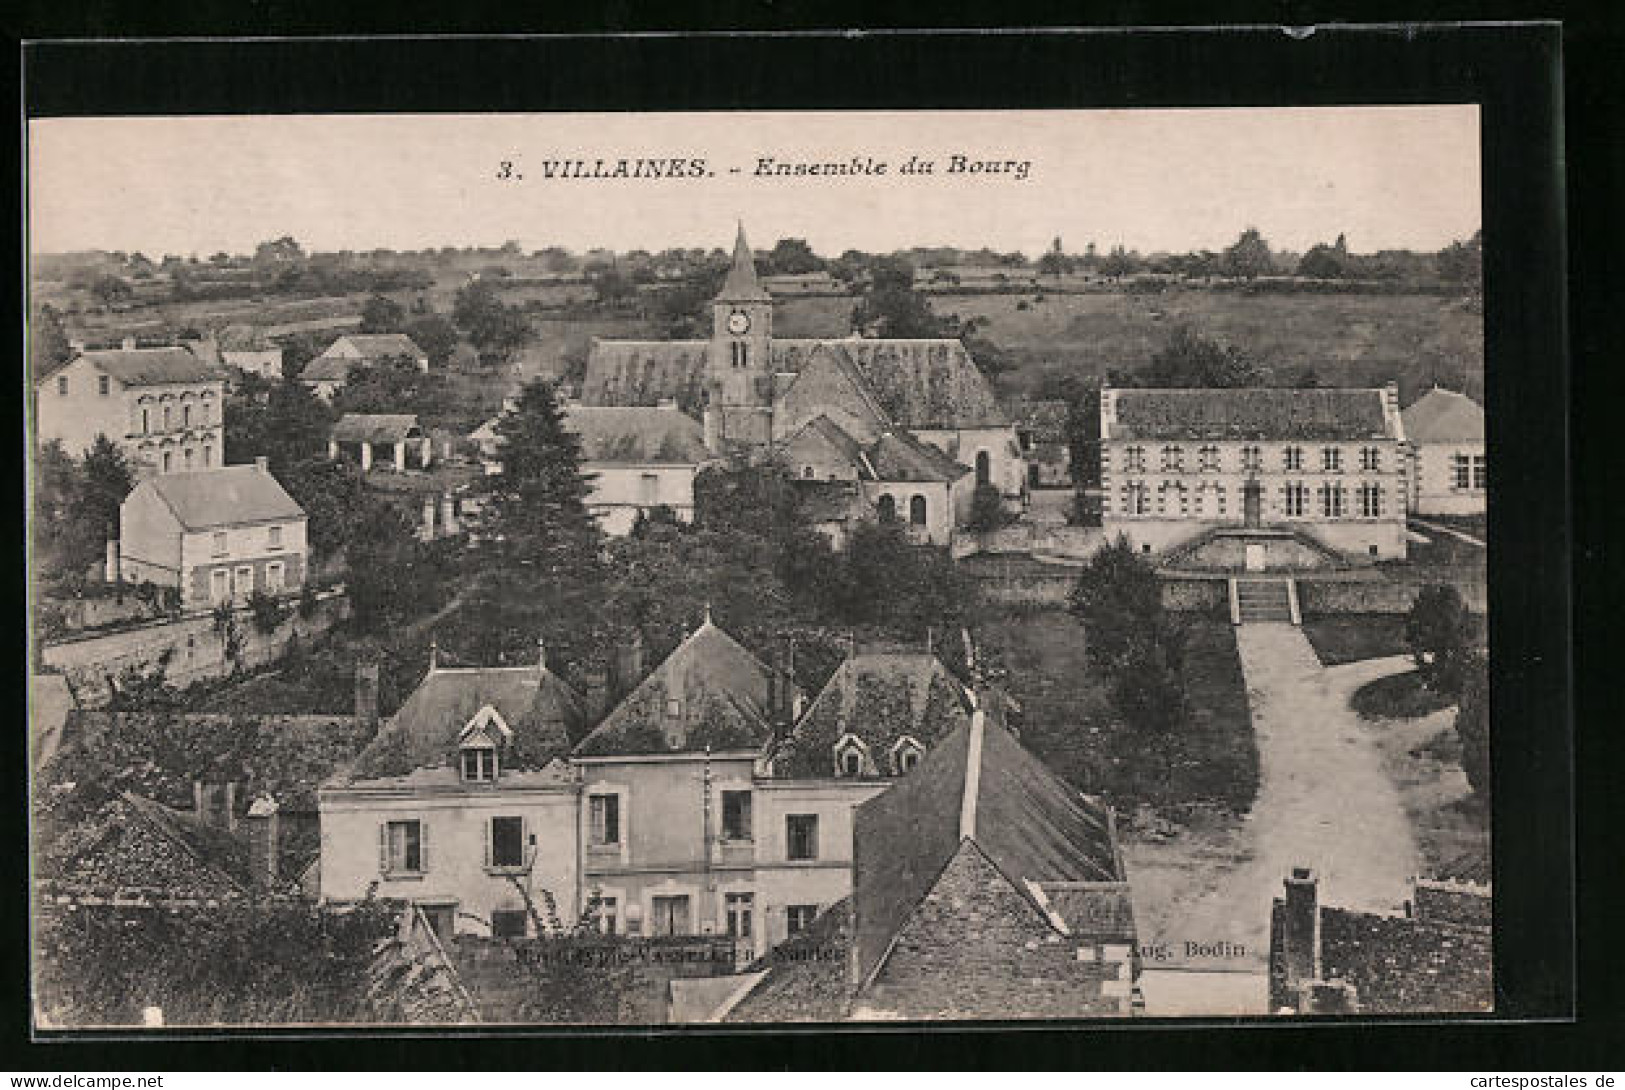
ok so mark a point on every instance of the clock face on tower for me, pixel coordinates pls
(738, 322)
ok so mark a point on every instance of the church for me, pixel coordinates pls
(871, 427)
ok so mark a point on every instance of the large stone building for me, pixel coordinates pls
(759, 395)
(161, 406)
(1449, 468)
(1255, 478)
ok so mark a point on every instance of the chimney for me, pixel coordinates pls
(264, 837)
(1300, 925)
(628, 669)
(215, 803)
(262, 463)
(434, 654)
(76, 345)
(541, 655)
(129, 344)
(366, 693)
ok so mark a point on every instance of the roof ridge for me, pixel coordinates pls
(972, 785)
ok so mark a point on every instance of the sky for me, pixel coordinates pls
(1175, 180)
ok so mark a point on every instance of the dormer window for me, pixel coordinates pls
(905, 755)
(479, 764)
(851, 757)
(479, 746)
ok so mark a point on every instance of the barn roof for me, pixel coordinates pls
(376, 428)
(377, 345)
(327, 369)
(1308, 414)
(1443, 416)
(228, 496)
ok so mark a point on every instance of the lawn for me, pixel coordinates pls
(1340, 638)
(1397, 696)
(1423, 757)
(1068, 721)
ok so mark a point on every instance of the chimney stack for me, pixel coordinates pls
(262, 463)
(1300, 940)
(366, 692)
(215, 803)
(434, 654)
(264, 837)
(541, 654)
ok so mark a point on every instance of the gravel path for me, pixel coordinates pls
(1324, 801)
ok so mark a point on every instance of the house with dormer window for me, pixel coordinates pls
(463, 804)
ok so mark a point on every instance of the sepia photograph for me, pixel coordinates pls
(746, 568)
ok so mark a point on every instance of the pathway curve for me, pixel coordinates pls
(1324, 801)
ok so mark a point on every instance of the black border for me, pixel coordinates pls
(1515, 72)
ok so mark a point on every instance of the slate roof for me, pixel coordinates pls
(978, 784)
(376, 428)
(881, 697)
(202, 499)
(722, 692)
(806, 977)
(539, 707)
(134, 846)
(1443, 416)
(898, 456)
(378, 345)
(153, 366)
(637, 434)
(741, 286)
(1308, 414)
(1398, 964)
(644, 372)
(328, 369)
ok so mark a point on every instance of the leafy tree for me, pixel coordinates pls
(383, 580)
(1248, 256)
(1148, 690)
(280, 253)
(104, 482)
(47, 341)
(1120, 263)
(333, 495)
(1119, 599)
(613, 287)
(1323, 263)
(1438, 631)
(892, 308)
(685, 305)
(394, 385)
(491, 325)
(382, 314)
(435, 335)
(283, 421)
(1463, 262)
(986, 509)
(111, 289)
(793, 255)
(1473, 725)
(1191, 360)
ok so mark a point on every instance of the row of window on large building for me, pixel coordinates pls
(1210, 459)
(1330, 500)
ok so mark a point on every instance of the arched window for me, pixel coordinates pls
(888, 509)
(984, 467)
(916, 510)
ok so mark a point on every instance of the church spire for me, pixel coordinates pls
(742, 285)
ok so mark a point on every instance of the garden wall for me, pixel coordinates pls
(1318, 596)
(195, 651)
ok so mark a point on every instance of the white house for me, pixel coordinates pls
(329, 372)
(1449, 468)
(463, 804)
(161, 406)
(217, 535)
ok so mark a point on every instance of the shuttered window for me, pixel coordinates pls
(403, 847)
(505, 841)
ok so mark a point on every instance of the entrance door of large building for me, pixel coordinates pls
(1252, 503)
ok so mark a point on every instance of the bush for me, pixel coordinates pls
(986, 509)
(1438, 631)
(265, 611)
(1473, 726)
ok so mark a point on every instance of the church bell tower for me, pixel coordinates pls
(741, 367)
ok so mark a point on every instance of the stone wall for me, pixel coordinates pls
(194, 650)
(1388, 595)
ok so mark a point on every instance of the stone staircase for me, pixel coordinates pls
(1255, 601)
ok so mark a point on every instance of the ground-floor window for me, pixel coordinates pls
(916, 510)
(508, 923)
(273, 577)
(245, 581)
(1331, 501)
(1480, 472)
(799, 918)
(608, 915)
(1370, 501)
(740, 908)
(1296, 496)
(219, 586)
(670, 915)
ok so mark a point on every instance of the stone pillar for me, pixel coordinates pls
(428, 451)
(1300, 926)
(264, 837)
(427, 530)
(112, 571)
(400, 456)
(332, 450)
(448, 515)
(366, 456)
